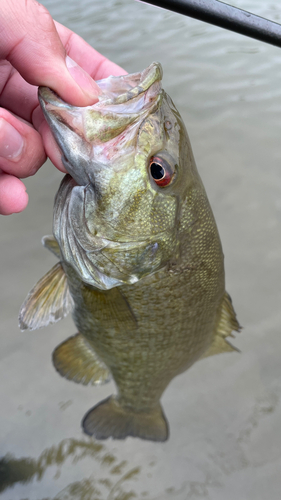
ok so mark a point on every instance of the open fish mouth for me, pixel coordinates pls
(115, 89)
(85, 134)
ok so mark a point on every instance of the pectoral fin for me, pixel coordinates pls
(75, 360)
(111, 308)
(47, 302)
(227, 323)
(51, 244)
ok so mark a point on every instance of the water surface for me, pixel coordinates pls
(225, 412)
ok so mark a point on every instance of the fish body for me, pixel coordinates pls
(141, 264)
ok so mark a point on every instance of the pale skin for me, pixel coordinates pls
(37, 51)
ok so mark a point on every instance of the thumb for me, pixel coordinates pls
(30, 42)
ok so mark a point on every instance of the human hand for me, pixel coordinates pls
(35, 50)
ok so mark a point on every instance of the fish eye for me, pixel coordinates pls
(161, 171)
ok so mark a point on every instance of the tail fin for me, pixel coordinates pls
(110, 419)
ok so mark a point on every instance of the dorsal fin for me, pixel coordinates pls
(228, 320)
(51, 244)
(226, 324)
(47, 302)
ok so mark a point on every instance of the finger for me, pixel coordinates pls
(91, 61)
(13, 197)
(21, 98)
(16, 94)
(21, 147)
(30, 42)
(94, 63)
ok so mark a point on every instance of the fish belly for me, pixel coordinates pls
(157, 336)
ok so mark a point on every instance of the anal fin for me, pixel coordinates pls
(226, 324)
(110, 419)
(75, 360)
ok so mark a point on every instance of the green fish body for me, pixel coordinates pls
(141, 264)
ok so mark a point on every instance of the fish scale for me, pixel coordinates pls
(141, 264)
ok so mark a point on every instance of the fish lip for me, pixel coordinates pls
(143, 82)
(48, 96)
(132, 98)
(146, 79)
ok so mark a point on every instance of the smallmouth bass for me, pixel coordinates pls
(140, 259)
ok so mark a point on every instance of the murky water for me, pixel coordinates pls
(225, 412)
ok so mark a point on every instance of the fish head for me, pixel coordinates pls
(117, 214)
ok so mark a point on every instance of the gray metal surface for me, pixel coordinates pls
(225, 16)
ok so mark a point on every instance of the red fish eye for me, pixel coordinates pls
(160, 170)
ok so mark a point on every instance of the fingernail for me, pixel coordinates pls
(87, 84)
(11, 142)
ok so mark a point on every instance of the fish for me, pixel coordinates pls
(141, 265)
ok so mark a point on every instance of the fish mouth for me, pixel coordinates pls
(114, 89)
(84, 134)
(48, 96)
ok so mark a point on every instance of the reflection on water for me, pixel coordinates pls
(225, 412)
(14, 470)
(110, 487)
(115, 483)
